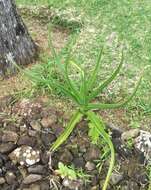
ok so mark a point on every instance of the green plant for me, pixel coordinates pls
(71, 172)
(130, 143)
(83, 93)
(82, 90)
(65, 171)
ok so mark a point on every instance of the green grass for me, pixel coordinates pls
(113, 23)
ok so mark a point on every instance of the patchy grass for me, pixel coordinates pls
(113, 24)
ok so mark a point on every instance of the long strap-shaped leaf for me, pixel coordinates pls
(70, 83)
(93, 76)
(98, 123)
(74, 120)
(64, 89)
(99, 89)
(116, 105)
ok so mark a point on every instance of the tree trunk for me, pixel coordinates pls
(16, 45)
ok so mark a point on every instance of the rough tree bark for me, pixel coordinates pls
(16, 45)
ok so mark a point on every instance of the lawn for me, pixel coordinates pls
(114, 24)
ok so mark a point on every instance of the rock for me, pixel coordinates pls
(10, 178)
(116, 178)
(37, 169)
(47, 138)
(10, 166)
(49, 121)
(92, 154)
(25, 155)
(2, 180)
(23, 128)
(1, 162)
(90, 166)
(130, 185)
(66, 157)
(72, 184)
(95, 187)
(83, 144)
(1, 134)
(94, 178)
(35, 187)
(79, 162)
(13, 186)
(121, 148)
(26, 140)
(143, 145)
(57, 129)
(32, 178)
(45, 185)
(11, 127)
(133, 185)
(35, 125)
(28, 109)
(32, 133)
(115, 131)
(9, 136)
(6, 147)
(133, 133)
(44, 157)
(141, 177)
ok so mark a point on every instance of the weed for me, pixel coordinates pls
(83, 93)
(134, 124)
(66, 76)
(71, 173)
(130, 143)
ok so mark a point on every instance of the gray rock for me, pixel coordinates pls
(35, 187)
(66, 157)
(23, 128)
(116, 178)
(7, 147)
(2, 180)
(1, 134)
(133, 185)
(72, 184)
(90, 166)
(95, 187)
(47, 138)
(32, 178)
(133, 133)
(83, 144)
(130, 185)
(1, 162)
(93, 153)
(45, 185)
(10, 178)
(49, 121)
(26, 140)
(37, 169)
(32, 133)
(79, 162)
(115, 131)
(36, 125)
(44, 157)
(9, 136)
